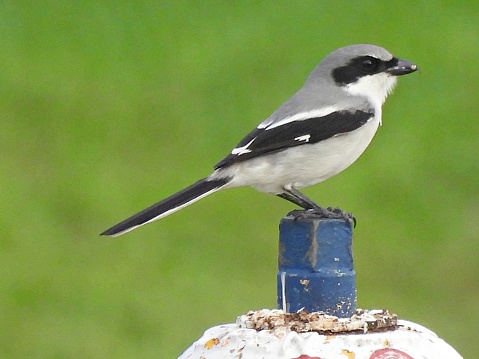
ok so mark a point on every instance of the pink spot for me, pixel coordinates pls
(389, 353)
(302, 356)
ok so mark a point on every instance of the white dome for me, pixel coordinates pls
(285, 339)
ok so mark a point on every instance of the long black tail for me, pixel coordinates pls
(179, 200)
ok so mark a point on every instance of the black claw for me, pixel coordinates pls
(343, 215)
(320, 212)
(304, 213)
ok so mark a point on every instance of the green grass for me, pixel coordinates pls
(106, 108)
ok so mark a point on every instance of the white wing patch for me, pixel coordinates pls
(242, 150)
(304, 138)
(269, 124)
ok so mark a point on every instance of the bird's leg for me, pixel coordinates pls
(293, 195)
(297, 201)
(296, 197)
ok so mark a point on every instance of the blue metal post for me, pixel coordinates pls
(316, 266)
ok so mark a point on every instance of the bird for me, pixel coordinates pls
(317, 133)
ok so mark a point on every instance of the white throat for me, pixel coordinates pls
(375, 88)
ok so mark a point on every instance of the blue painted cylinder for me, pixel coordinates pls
(315, 266)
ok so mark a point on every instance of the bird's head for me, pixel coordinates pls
(363, 70)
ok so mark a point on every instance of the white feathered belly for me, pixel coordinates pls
(303, 165)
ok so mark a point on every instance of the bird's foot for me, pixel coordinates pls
(321, 212)
(340, 214)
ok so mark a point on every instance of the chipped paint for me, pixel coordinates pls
(305, 283)
(211, 343)
(348, 354)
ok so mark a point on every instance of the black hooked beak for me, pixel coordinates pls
(400, 67)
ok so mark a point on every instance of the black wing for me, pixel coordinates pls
(270, 139)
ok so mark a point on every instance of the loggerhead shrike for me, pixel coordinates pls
(317, 133)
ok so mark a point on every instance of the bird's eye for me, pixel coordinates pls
(370, 64)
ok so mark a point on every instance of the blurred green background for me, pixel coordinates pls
(107, 107)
